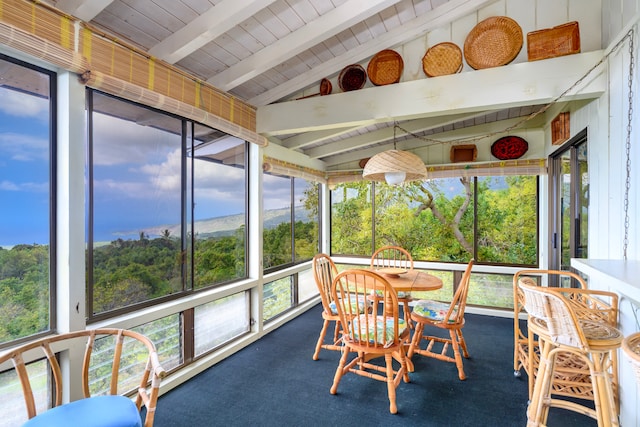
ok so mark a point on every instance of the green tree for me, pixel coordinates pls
(436, 221)
(351, 229)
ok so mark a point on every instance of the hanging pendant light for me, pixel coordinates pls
(394, 166)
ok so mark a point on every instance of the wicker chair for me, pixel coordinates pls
(527, 356)
(370, 335)
(395, 257)
(571, 376)
(444, 316)
(109, 408)
(631, 348)
(563, 322)
(324, 270)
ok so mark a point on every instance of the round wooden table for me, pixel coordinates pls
(411, 281)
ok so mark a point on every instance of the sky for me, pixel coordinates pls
(24, 162)
(136, 177)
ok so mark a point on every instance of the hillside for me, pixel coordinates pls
(226, 225)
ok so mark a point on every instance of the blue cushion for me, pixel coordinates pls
(98, 411)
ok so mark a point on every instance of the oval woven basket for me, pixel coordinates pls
(493, 42)
(352, 77)
(385, 67)
(442, 59)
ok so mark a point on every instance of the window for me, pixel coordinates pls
(167, 206)
(219, 207)
(220, 321)
(569, 203)
(277, 229)
(492, 219)
(277, 298)
(136, 232)
(14, 410)
(507, 220)
(351, 226)
(305, 213)
(164, 333)
(27, 168)
(290, 220)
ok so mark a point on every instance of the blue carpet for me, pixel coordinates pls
(274, 382)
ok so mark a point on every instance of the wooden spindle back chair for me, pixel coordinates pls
(391, 257)
(381, 332)
(448, 316)
(324, 271)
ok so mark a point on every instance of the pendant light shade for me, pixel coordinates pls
(394, 167)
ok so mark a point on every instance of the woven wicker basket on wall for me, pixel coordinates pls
(352, 77)
(493, 42)
(442, 59)
(552, 42)
(385, 67)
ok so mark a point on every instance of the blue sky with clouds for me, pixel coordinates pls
(24, 163)
(137, 179)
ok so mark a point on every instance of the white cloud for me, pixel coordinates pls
(8, 186)
(165, 175)
(276, 192)
(118, 141)
(32, 187)
(23, 147)
(19, 105)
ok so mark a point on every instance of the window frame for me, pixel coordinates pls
(53, 200)
(474, 205)
(292, 220)
(187, 218)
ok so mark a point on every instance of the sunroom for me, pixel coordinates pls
(142, 190)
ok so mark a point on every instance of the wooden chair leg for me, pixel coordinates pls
(323, 332)
(407, 314)
(456, 354)
(463, 343)
(536, 413)
(391, 385)
(415, 340)
(603, 392)
(340, 370)
(336, 332)
(531, 351)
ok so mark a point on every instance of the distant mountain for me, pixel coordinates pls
(229, 224)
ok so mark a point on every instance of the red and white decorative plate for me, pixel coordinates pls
(509, 147)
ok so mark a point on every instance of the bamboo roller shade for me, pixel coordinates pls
(285, 168)
(47, 33)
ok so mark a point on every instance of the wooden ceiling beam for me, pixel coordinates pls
(207, 27)
(528, 83)
(318, 30)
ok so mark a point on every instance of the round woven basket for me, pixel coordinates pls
(493, 42)
(631, 348)
(385, 67)
(442, 59)
(352, 77)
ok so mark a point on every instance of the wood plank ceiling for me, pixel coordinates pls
(269, 51)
